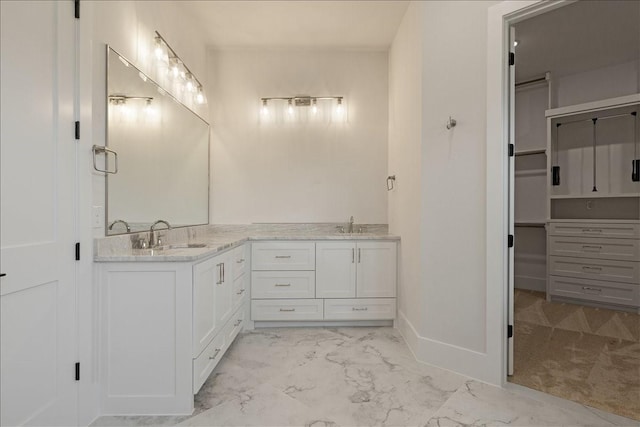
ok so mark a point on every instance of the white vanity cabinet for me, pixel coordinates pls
(164, 327)
(356, 269)
(329, 280)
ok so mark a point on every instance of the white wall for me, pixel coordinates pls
(443, 304)
(602, 83)
(298, 171)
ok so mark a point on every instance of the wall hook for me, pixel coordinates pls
(390, 182)
(451, 123)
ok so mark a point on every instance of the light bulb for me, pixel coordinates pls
(200, 97)
(290, 108)
(265, 108)
(314, 106)
(189, 86)
(339, 107)
(158, 51)
(175, 70)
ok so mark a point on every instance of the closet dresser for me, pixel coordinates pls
(593, 239)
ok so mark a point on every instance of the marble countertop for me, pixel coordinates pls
(218, 239)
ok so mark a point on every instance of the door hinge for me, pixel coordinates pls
(77, 251)
(512, 150)
(77, 130)
(509, 331)
(76, 9)
(510, 241)
(77, 371)
(512, 58)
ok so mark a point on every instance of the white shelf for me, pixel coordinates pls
(593, 196)
(593, 106)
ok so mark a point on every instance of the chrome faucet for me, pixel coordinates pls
(351, 224)
(153, 240)
(121, 221)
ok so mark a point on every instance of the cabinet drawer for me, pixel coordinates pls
(599, 269)
(203, 365)
(620, 231)
(234, 326)
(283, 256)
(240, 290)
(283, 284)
(595, 290)
(239, 260)
(360, 309)
(286, 309)
(585, 247)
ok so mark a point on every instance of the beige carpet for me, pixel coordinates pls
(588, 355)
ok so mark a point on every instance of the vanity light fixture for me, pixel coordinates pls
(303, 101)
(178, 70)
(122, 99)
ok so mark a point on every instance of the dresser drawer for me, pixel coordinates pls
(234, 326)
(283, 256)
(586, 247)
(283, 284)
(239, 260)
(203, 365)
(611, 230)
(598, 269)
(360, 309)
(286, 309)
(595, 290)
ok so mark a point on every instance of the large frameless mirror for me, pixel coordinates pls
(163, 154)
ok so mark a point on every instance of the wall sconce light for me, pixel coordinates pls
(178, 70)
(303, 101)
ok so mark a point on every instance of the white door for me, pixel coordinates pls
(38, 327)
(376, 269)
(335, 270)
(512, 181)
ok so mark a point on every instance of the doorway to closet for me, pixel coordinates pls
(576, 212)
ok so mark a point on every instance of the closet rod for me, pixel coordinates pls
(530, 224)
(613, 116)
(532, 81)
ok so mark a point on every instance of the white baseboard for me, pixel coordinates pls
(530, 283)
(484, 367)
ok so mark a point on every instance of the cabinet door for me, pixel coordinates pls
(224, 288)
(205, 276)
(240, 291)
(239, 261)
(376, 266)
(335, 270)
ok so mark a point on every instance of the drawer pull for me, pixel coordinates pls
(283, 284)
(597, 248)
(359, 309)
(283, 256)
(592, 230)
(214, 354)
(238, 322)
(586, 267)
(240, 261)
(220, 279)
(587, 288)
(240, 292)
(287, 309)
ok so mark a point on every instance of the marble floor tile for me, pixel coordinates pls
(261, 406)
(477, 404)
(358, 377)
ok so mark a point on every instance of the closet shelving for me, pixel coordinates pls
(593, 203)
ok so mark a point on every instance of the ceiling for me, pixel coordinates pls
(298, 24)
(581, 36)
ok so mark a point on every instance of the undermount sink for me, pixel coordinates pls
(162, 249)
(188, 246)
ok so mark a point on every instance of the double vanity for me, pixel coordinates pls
(168, 314)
